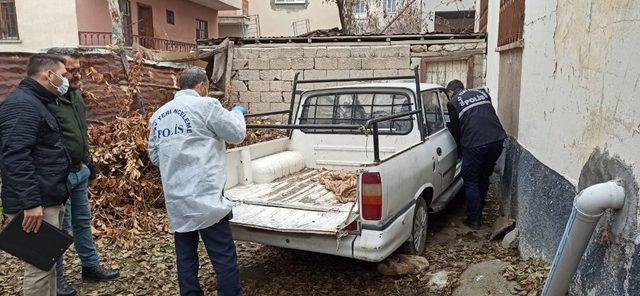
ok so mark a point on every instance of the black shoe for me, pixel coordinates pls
(472, 224)
(63, 288)
(98, 274)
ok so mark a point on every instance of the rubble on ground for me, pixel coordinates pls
(397, 265)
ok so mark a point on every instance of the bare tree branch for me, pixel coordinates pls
(398, 15)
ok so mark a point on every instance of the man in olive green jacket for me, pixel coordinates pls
(69, 109)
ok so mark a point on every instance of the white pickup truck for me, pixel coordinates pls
(396, 141)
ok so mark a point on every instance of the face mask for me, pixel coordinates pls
(62, 89)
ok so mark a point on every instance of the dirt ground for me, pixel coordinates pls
(451, 247)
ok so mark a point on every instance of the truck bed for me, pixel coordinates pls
(295, 203)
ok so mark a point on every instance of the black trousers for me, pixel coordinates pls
(222, 253)
(477, 167)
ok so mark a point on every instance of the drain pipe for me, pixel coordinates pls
(588, 207)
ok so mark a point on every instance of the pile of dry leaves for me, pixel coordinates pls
(343, 183)
(260, 135)
(127, 193)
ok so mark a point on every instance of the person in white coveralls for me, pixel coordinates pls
(187, 141)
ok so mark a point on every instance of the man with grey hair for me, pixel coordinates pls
(187, 141)
(69, 110)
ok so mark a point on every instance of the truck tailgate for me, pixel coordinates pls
(296, 203)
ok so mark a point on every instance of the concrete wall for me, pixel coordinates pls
(44, 24)
(276, 20)
(93, 16)
(578, 126)
(262, 75)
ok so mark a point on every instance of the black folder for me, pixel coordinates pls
(40, 249)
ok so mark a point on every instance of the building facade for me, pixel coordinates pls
(278, 18)
(31, 25)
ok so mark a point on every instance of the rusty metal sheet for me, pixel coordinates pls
(158, 83)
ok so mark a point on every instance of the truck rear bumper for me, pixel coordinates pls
(368, 245)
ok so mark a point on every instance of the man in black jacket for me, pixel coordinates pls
(480, 136)
(69, 109)
(34, 162)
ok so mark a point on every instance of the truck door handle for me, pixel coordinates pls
(439, 151)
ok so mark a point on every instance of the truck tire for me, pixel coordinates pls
(417, 241)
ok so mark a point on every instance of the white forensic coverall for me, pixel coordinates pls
(187, 141)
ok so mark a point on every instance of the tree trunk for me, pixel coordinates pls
(118, 41)
(341, 14)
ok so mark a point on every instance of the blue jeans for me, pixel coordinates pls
(77, 217)
(477, 167)
(222, 253)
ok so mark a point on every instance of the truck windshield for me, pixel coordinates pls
(356, 109)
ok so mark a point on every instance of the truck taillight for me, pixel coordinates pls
(371, 196)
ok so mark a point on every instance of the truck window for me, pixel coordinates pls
(432, 111)
(444, 100)
(356, 109)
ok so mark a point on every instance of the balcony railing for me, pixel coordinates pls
(104, 39)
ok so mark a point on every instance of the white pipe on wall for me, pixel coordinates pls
(588, 207)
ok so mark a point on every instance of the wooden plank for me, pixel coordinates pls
(227, 70)
(470, 72)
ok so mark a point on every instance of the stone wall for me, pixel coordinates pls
(262, 75)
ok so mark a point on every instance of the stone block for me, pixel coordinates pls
(326, 63)
(280, 64)
(238, 85)
(315, 74)
(361, 52)
(435, 48)
(332, 74)
(259, 85)
(271, 97)
(418, 48)
(510, 241)
(287, 75)
(470, 45)
(259, 108)
(406, 72)
(398, 264)
(350, 63)
(482, 45)
(385, 63)
(321, 52)
(360, 73)
(294, 52)
(246, 53)
(309, 52)
(338, 52)
(247, 75)
(259, 64)
(381, 73)
(249, 97)
(302, 63)
(239, 64)
(280, 85)
(453, 47)
(270, 75)
(415, 62)
(280, 106)
(388, 51)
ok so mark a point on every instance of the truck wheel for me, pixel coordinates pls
(418, 238)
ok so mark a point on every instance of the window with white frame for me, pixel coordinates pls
(389, 6)
(360, 6)
(290, 2)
